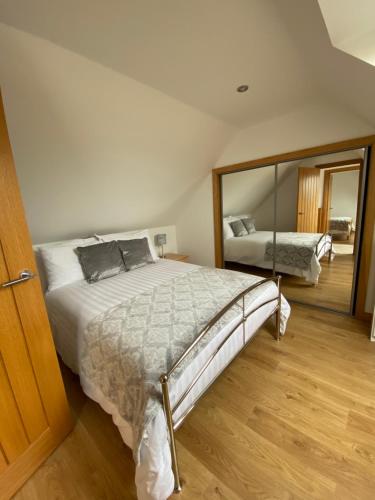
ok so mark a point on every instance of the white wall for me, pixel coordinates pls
(286, 204)
(345, 194)
(312, 125)
(97, 151)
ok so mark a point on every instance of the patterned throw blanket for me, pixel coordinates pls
(293, 249)
(340, 224)
(125, 349)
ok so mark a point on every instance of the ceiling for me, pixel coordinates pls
(199, 51)
(351, 27)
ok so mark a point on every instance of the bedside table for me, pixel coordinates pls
(176, 256)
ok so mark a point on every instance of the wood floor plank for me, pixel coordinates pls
(198, 481)
(320, 367)
(259, 455)
(313, 453)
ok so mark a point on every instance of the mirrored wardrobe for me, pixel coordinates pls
(300, 219)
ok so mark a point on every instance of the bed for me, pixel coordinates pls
(341, 227)
(97, 330)
(298, 254)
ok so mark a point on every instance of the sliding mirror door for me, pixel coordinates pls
(248, 201)
(300, 219)
(317, 225)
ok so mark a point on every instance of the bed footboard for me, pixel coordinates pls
(238, 301)
(317, 253)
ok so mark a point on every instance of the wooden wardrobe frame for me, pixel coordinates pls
(369, 204)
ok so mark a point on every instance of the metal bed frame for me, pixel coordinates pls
(317, 253)
(170, 410)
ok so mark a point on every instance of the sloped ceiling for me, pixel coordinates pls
(199, 51)
(341, 77)
(351, 27)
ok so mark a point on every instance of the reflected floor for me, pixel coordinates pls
(333, 290)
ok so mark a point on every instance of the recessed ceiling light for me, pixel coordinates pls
(243, 88)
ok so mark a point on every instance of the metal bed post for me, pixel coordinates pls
(330, 249)
(243, 321)
(324, 247)
(278, 310)
(168, 416)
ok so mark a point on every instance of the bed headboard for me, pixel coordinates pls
(171, 246)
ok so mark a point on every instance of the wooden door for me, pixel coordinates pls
(308, 200)
(326, 202)
(34, 414)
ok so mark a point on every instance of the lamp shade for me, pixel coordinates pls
(160, 239)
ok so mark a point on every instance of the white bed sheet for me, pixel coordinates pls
(72, 307)
(250, 250)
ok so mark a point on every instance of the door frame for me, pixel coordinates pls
(329, 170)
(369, 203)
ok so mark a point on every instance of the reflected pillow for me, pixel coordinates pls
(249, 224)
(227, 230)
(238, 228)
(100, 261)
(135, 253)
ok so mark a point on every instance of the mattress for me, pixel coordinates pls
(250, 250)
(72, 307)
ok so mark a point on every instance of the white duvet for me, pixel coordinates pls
(72, 307)
(250, 250)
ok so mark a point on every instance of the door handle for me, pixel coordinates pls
(24, 276)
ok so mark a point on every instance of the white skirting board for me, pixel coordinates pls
(373, 327)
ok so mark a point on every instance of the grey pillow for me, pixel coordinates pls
(136, 253)
(100, 261)
(249, 224)
(238, 228)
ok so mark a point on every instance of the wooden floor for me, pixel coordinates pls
(288, 420)
(333, 290)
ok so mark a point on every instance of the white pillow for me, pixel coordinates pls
(130, 235)
(61, 262)
(227, 230)
(39, 260)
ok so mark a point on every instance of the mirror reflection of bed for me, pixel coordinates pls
(312, 205)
